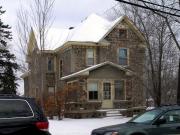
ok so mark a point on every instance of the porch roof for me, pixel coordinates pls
(85, 72)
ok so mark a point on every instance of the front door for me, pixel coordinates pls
(107, 95)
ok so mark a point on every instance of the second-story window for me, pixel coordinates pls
(60, 68)
(50, 64)
(89, 56)
(123, 56)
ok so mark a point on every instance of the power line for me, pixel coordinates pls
(159, 5)
(145, 7)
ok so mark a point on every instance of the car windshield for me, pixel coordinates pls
(146, 117)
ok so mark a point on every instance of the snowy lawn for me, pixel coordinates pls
(82, 126)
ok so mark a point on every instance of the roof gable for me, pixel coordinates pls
(129, 23)
(87, 70)
(93, 29)
(32, 44)
(90, 30)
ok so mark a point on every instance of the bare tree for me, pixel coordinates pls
(162, 56)
(37, 19)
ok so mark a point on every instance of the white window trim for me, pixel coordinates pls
(94, 56)
(111, 90)
(97, 91)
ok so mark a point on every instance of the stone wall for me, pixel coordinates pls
(136, 60)
(74, 59)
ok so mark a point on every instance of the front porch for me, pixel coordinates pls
(107, 83)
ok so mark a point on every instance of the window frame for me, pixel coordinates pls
(19, 117)
(110, 91)
(94, 62)
(93, 91)
(60, 68)
(126, 36)
(118, 54)
(53, 92)
(124, 90)
(52, 64)
(167, 113)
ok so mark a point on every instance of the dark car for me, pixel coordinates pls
(159, 121)
(21, 116)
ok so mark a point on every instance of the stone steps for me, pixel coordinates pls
(112, 112)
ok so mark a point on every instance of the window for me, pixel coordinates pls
(93, 91)
(147, 117)
(50, 64)
(90, 56)
(14, 108)
(119, 90)
(123, 56)
(60, 68)
(123, 34)
(107, 90)
(172, 116)
(51, 90)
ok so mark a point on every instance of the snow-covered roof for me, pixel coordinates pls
(87, 70)
(54, 37)
(92, 29)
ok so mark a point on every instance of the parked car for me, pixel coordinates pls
(21, 116)
(159, 121)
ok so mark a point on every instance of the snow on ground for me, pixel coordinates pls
(82, 126)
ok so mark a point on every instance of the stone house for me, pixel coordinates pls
(105, 57)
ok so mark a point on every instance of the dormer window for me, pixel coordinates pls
(123, 33)
(90, 57)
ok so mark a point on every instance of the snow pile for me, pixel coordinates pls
(82, 126)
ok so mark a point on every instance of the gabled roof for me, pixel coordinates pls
(32, 42)
(85, 72)
(93, 29)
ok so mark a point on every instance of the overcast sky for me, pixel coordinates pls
(67, 13)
